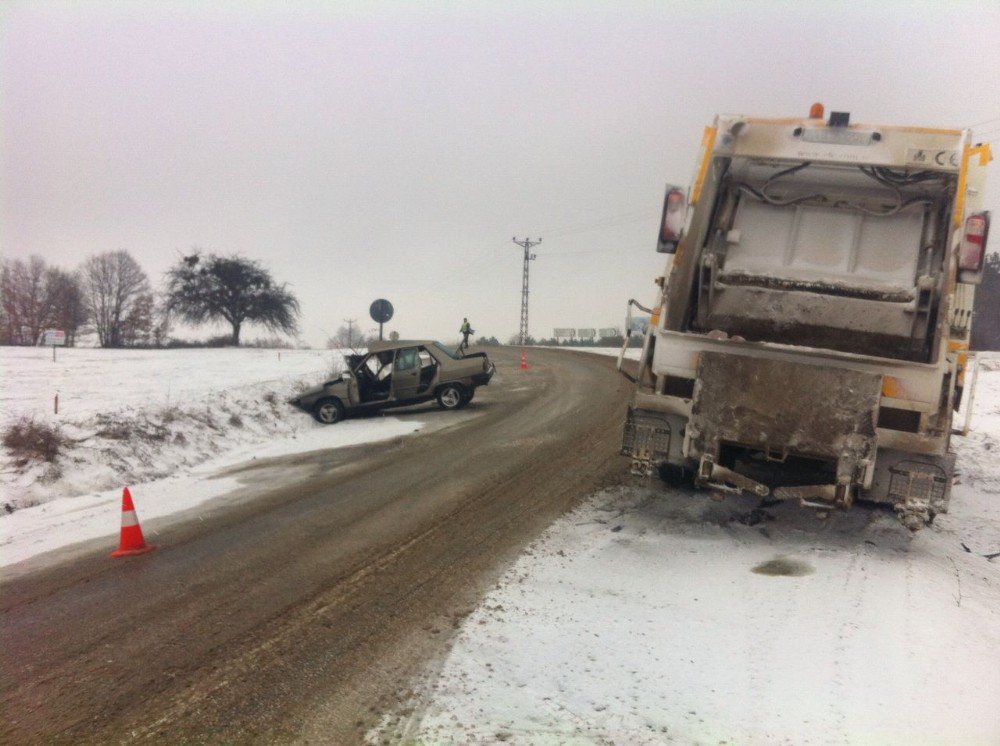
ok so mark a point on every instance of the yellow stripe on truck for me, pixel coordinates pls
(985, 156)
(963, 358)
(707, 143)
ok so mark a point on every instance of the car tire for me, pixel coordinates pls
(468, 396)
(328, 411)
(450, 396)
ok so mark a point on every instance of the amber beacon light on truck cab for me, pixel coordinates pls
(810, 337)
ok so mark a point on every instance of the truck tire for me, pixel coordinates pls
(675, 476)
(328, 411)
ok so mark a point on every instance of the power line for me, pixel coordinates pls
(526, 244)
(992, 131)
(985, 121)
(612, 221)
(616, 250)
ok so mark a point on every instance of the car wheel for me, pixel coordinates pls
(468, 396)
(329, 411)
(450, 397)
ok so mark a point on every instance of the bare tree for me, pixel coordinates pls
(139, 325)
(9, 311)
(161, 323)
(113, 286)
(351, 337)
(67, 310)
(25, 303)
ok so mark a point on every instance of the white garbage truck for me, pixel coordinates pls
(810, 338)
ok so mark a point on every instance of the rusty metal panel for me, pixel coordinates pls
(784, 407)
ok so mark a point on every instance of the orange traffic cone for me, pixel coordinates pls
(524, 361)
(132, 541)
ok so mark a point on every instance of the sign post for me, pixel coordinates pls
(381, 311)
(54, 337)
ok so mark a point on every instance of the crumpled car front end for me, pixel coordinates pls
(306, 401)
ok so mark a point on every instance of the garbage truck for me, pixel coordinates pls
(810, 336)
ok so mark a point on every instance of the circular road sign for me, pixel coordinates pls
(381, 311)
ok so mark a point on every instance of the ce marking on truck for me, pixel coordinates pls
(951, 156)
(943, 158)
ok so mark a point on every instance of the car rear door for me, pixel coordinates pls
(406, 373)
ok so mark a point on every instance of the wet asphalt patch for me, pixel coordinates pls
(784, 566)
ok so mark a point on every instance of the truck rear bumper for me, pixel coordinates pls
(788, 431)
(781, 408)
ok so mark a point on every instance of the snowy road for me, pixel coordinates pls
(384, 591)
(298, 614)
(654, 615)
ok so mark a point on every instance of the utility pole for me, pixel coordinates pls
(526, 244)
(350, 331)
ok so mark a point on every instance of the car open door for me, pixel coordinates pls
(406, 374)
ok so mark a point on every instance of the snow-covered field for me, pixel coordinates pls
(128, 416)
(138, 416)
(92, 381)
(652, 616)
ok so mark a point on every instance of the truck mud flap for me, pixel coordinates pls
(781, 407)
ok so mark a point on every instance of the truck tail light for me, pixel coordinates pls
(973, 246)
(672, 224)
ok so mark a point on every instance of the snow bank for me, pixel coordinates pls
(129, 416)
(651, 616)
(165, 422)
(65, 521)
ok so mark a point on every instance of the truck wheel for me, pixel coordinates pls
(328, 411)
(450, 396)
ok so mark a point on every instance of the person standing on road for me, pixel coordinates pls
(465, 330)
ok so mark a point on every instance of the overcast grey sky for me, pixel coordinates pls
(370, 149)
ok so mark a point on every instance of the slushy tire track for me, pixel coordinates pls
(299, 616)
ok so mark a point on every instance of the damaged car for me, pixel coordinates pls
(397, 374)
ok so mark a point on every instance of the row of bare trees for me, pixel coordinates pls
(108, 294)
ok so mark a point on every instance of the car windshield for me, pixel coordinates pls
(446, 351)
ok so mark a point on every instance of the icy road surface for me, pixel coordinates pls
(292, 608)
(651, 616)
